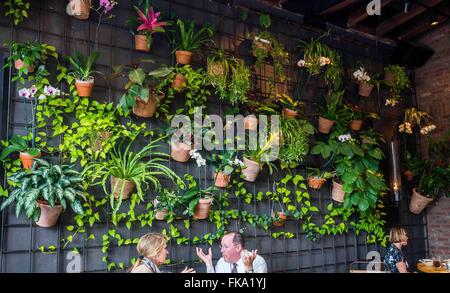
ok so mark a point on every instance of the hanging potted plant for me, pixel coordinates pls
(225, 163)
(318, 176)
(187, 39)
(79, 8)
(82, 72)
(143, 92)
(46, 191)
(358, 115)
(258, 156)
(332, 112)
(27, 56)
(165, 205)
(413, 117)
(147, 24)
(397, 79)
(290, 107)
(180, 145)
(27, 154)
(366, 82)
(198, 202)
(127, 171)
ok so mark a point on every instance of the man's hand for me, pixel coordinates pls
(186, 270)
(206, 258)
(248, 260)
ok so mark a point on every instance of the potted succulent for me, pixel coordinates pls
(225, 164)
(187, 39)
(27, 154)
(27, 56)
(166, 203)
(143, 93)
(259, 155)
(79, 8)
(397, 79)
(317, 177)
(82, 72)
(46, 191)
(147, 24)
(127, 170)
(331, 113)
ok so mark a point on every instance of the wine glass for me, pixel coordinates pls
(437, 262)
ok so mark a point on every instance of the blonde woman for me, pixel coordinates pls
(394, 260)
(152, 249)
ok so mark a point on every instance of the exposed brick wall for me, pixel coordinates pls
(433, 96)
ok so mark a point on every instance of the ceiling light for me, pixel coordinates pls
(434, 19)
(407, 7)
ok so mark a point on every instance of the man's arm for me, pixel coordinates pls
(259, 265)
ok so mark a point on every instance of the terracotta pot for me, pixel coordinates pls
(365, 89)
(161, 214)
(316, 182)
(19, 64)
(418, 202)
(49, 215)
(183, 57)
(180, 151)
(337, 193)
(325, 125)
(222, 180)
(129, 186)
(290, 113)
(84, 88)
(409, 175)
(140, 43)
(79, 8)
(356, 125)
(202, 208)
(389, 77)
(179, 82)
(251, 122)
(251, 170)
(282, 221)
(145, 109)
(27, 159)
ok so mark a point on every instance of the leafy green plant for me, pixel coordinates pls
(167, 200)
(55, 184)
(264, 154)
(17, 10)
(295, 135)
(18, 144)
(288, 102)
(434, 181)
(128, 165)
(333, 109)
(358, 113)
(142, 85)
(193, 193)
(319, 172)
(30, 53)
(83, 67)
(188, 38)
(225, 161)
(400, 83)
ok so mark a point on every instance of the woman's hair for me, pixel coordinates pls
(397, 234)
(149, 246)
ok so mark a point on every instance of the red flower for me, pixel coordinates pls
(149, 22)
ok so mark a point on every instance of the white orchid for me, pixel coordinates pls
(361, 75)
(194, 154)
(344, 137)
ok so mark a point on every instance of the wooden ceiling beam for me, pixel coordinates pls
(360, 14)
(420, 28)
(402, 17)
(338, 6)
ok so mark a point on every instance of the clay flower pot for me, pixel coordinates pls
(250, 170)
(145, 109)
(19, 64)
(84, 88)
(282, 221)
(140, 43)
(337, 193)
(325, 125)
(183, 57)
(202, 208)
(129, 186)
(179, 82)
(356, 125)
(290, 113)
(365, 89)
(27, 159)
(251, 122)
(409, 175)
(222, 180)
(160, 215)
(316, 182)
(418, 202)
(79, 8)
(389, 77)
(49, 215)
(180, 151)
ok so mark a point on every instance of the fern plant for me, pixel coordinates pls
(54, 184)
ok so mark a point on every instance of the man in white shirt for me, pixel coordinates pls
(235, 258)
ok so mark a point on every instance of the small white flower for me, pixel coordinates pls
(200, 162)
(24, 93)
(238, 162)
(344, 137)
(301, 63)
(41, 97)
(51, 91)
(324, 61)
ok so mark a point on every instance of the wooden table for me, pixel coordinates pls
(424, 269)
